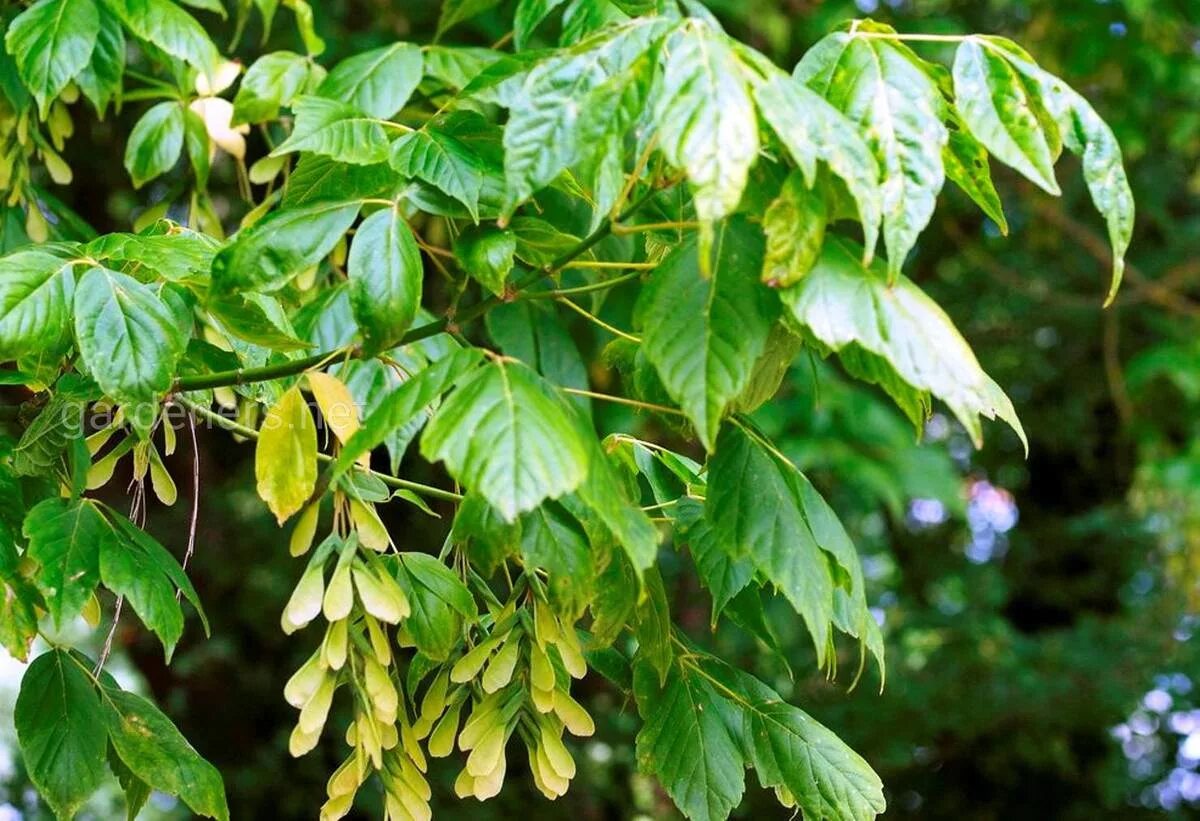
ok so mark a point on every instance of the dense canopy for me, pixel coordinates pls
(601, 370)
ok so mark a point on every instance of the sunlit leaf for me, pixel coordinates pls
(503, 436)
(704, 334)
(843, 303)
(285, 459)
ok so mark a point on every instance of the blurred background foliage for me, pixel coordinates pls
(1038, 611)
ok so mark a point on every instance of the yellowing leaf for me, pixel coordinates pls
(285, 461)
(337, 405)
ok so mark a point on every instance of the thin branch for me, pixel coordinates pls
(584, 289)
(615, 331)
(391, 481)
(587, 263)
(244, 376)
(108, 640)
(621, 400)
(679, 225)
(191, 545)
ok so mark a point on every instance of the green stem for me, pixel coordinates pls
(151, 81)
(598, 321)
(245, 376)
(155, 93)
(621, 400)
(585, 289)
(391, 481)
(588, 263)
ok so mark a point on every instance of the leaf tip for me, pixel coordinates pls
(1115, 285)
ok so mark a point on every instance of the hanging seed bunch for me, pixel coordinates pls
(515, 680)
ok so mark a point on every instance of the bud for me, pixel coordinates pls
(381, 596)
(305, 603)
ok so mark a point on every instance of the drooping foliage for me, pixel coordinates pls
(753, 213)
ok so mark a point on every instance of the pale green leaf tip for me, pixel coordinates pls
(1114, 286)
(1020, 430)
(1009, 415)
